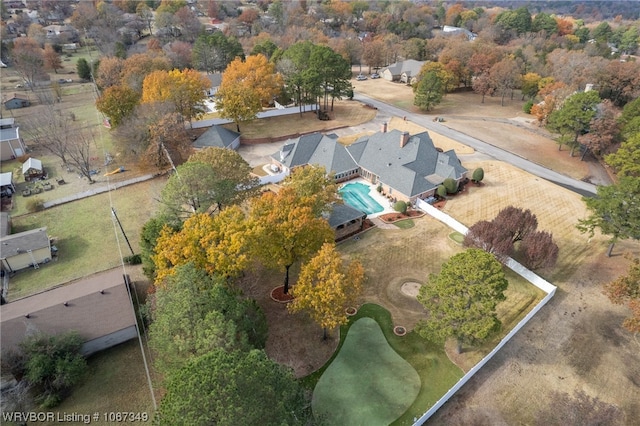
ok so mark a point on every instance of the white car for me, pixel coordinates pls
(375, 75)
(361, 77)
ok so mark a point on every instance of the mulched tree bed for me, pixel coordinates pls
(399, 330)
(278, 295)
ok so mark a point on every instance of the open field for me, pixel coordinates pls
(505, 126)
(84, 235)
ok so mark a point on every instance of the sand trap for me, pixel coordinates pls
(411, 288)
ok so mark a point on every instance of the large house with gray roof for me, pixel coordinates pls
(404, 166)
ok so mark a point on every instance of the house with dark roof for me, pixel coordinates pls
(16, 101)
(404, 71)
(218, 137)
(316, 148)
(406, 167)
(97, 307)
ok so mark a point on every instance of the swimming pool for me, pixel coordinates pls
(356, 194)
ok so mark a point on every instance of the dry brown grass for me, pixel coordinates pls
(345, 113)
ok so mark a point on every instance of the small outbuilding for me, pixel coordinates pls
(32, 169)
(7, 186)
(25, 249)
(346, 220)
(16, 101)
(218, 137)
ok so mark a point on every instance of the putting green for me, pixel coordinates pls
(368, 383)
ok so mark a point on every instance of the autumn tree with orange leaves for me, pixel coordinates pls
(185, 89)
(246, 87)
(216, 244)
(626, 291)
(326, 287)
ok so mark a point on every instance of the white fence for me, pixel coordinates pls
(534, 279)
(272, 178)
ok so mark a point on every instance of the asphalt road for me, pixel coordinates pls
(386, 111)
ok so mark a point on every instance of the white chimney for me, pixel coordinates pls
(384, 127)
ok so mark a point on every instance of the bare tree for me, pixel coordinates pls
(28, 59)
(51, 129)
(79, 150)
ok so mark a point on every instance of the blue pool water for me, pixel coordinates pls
(357, 196)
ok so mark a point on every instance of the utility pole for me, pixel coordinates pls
(113, 212)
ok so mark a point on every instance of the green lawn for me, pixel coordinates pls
(368, 383)
(405, 224)
(85, 235)
(437, 373)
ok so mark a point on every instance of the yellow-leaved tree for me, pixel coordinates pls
(185, 89)
(246, 86)
(326, 287)
(217, 244)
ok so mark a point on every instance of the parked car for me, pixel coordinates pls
(361, 77)
(375, 75)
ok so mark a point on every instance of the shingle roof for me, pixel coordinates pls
(416, 168)
(14, 244)
(96, 306)
(410, 66)
(343, 213)
(413, 169)
(316, 148)
(216, 136)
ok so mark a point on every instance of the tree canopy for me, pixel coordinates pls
(461, 300)
(217, 244)
(573, 118)
(234, 388)
(625, 290)
(326, 287)
(615, 210)
(194, 313)
(185, 89)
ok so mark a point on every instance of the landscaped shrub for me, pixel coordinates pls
(450, 185)
(478, 175)
(441, 191)
(35, 205)
(134, 259)
(379, 188)
(400, 206)
(527, 107)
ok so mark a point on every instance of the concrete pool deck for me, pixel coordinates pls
(373, 193)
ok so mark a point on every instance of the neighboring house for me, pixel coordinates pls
(24, 249)
(218, 136)
(404, 166)
(98, 308)
(316, 148)
(216, 80)
(63, 32)
(405, 71)
(345, 220)
(16, 101)
(11, 144)
(7, 185)
(449, 30)
(32, 169)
